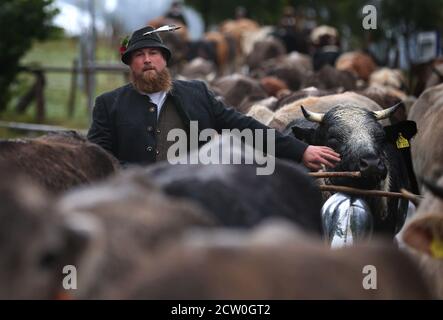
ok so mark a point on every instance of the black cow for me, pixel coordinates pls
(237, 196)
(380, 154)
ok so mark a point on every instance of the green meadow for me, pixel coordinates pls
(60, 53)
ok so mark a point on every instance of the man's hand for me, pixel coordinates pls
(314, 156)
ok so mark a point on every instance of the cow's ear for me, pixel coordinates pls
(303, 134)
(425, 234)
(401, 131)
(400, 135)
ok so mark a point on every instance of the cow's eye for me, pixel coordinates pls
(380, 137)
(332, 141)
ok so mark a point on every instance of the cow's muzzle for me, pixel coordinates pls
(372, 167)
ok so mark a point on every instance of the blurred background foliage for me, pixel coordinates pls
(21, 22)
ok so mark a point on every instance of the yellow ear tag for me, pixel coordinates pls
(402, 142)
(436, 248)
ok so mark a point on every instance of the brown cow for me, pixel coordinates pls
(58, 161)
(393, 78)
(292, 68)
(302, 61)
(107, 232)
(301, 94)
(356, 62)
(254, 104)
(264, 50)
(225, 51)
(273, 85)
(261, 113)
(426, 148)
(423, 236)
(36, 243)
(386, 97)
(436, 76)
(238, 29)
(329, 78)
(200, 69)
(286, 114)
(426, 74)
(265, 112)
(277, 262)
(236, 87)
(138, 220)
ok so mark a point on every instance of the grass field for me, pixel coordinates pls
(61, 53)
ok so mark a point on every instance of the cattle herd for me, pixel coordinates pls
(222, 231)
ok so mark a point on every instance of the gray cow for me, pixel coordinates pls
(278, 261)
(365, 146)
(107, 232)
(427, 147)
(59, 160)
(423, 236)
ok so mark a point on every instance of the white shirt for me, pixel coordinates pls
(159, 99)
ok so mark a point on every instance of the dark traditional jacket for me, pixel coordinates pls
(124, 122)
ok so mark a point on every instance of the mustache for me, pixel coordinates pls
(146, 68)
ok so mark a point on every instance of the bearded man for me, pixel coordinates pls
(132, 122)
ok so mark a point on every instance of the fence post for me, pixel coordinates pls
(73, 89)
(25, 100)
(40, 95)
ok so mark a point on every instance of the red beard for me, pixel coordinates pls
(151, 81)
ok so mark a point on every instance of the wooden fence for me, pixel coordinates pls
(36, 127)
(37, 91)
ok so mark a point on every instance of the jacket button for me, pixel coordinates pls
(157, 152)
(152, 109)
(150, 128)
(149, 149)
(158, 130)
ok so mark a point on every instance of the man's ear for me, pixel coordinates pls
(425, 234)
(303, 130)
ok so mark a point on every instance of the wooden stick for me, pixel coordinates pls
(347, 174)
(377, 193)
(414, 198)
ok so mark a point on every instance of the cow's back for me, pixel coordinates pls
(58, 161)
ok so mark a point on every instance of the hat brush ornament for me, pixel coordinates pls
(169, 27)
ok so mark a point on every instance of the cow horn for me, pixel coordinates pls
(312, 116)
(383, 114)
(434, 188)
